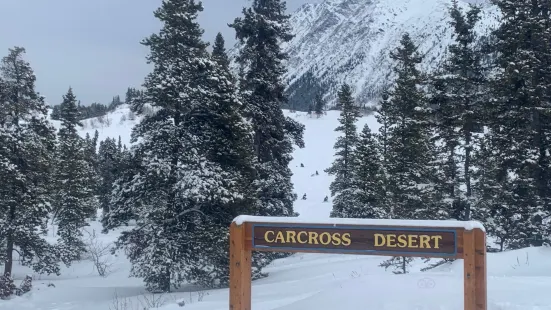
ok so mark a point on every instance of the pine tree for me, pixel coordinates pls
(367, 182)
(261, 30)
(383, 118)
(458, 99)
(219, 52)
(27, 142)
(520, 120)
(109, 164)
(75, 200)
(345, 146)
(319, 105)
(189, 173)
(410, 157)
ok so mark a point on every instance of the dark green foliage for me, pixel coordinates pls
(27, 143)
(319, 105)
(219, 52)
(343, 167)
(191, 171)
(303, 91)
(365, 197)
(409, 158)
(109, 167)
(262, 29)
(75, 178)
(457, 96)
(519, 121)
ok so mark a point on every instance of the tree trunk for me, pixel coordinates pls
(9, 245)
(467, 173)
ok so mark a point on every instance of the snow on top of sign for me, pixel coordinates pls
(467, 225)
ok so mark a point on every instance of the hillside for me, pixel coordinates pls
(517, 279)
(349, 41)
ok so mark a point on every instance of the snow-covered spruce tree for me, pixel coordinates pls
(108, 166)
(262, 29)
(520, 119)
(27, 142)
(74, 197)
(368, 180)
(342, 187)
(458, 97)
(410, 154)
(219, 52)
(383, 118)
(192, 161)
(319, 105)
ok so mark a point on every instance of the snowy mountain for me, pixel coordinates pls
(349, 41)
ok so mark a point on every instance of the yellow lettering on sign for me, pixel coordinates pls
(424, 242)
(312, 237)
(279, 237)
(390, 240)
(336, 239)
(379, 240)
(266, 236)
(346, 239)
(325, 238)
(436, 240)
(307, 237)
(291, 236)
(402, 241)
(411, 241)
(300, 240)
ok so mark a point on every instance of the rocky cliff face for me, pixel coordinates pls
(349, 41)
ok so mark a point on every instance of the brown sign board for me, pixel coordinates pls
(464, 240)
(356, 239)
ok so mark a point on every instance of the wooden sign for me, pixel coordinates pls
(355, 240)
(445, 239)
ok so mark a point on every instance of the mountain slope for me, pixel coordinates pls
(349, 41)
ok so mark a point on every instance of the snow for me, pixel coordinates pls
(349, 40)
(467, 225)
(517, 280)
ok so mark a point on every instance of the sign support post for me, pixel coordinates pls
(443, 239)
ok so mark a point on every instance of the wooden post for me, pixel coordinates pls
(240, 269)
(469, 271)
(367, 237)
(480, 269)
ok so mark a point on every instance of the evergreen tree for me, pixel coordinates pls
(520, 121)
(319, 105)
(27, 142)
(261, 30)
(345, 146)
(458, 98)
(219, 52)
(192, 165)
(55, 113)
(367, 193)
(75, 200)
(410, 157)
(383, 118)
(109, 164)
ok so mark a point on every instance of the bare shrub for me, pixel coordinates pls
(123, 119)
(143, 302)
(99, 253)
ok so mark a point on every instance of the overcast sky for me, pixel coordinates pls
(93, 46)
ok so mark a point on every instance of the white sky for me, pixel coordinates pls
(93, 46)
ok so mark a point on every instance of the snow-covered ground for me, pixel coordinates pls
(516, 280)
